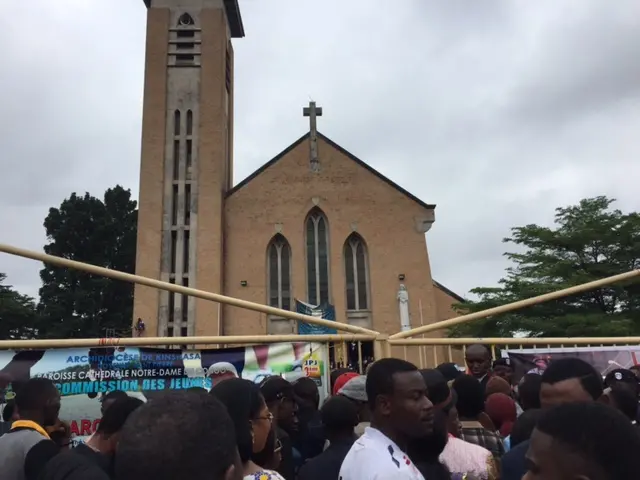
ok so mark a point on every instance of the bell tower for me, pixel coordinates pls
(186, 162)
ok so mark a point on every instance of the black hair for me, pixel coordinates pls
(7, 411)
(569, 368)
(529, 391)
(264, 457)
(306, 389)
(244, 402)
(480, 345)
(191, 433)
(470, 396)
(380, 377)
(34, 394)
(625, 401)
(425, 451)
(524, 425)
(114, 395)
(275, 388)
(601, 435)
(339, 414)
(115, 416)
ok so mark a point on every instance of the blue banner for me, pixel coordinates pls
(324, 311)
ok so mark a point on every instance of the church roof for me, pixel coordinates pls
(451, 293)
(344, 152)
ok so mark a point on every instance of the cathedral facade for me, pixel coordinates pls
(315, 224)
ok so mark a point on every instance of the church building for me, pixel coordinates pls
(315, 226)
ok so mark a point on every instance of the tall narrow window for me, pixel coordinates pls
(185, 302)
(189, 159)
(189, 122)
(172, 304)
(174, 206)
(176, 159)
(279, 272)
(174, 245)
(187, 204)
(356, 273)
(317, 257)
(176, 122)
(185, 258)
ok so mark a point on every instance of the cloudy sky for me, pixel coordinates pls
(497, 111)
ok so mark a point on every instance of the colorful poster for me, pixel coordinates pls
(83, 376)
(604, 359)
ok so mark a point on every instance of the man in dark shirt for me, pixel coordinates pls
(100, 448)
(339, 417)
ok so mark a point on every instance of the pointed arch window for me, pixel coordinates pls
(279, 272)
(356, 272)
(317, 237)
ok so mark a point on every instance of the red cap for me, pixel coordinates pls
(342, 379)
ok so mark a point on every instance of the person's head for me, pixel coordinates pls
(584, 440)
(339, 417)
(306, 393)
(9, 412)
(569, 380)
(108, 432)
(397, 397)
(249, 413)
(623, 378)
(523, 428)
(449, 370)
(502, 411)
(335, 374)
(278, 393)
(635, 369)
(478, 359)
(502, 368)
(355, 389)
(623, 399)
(497, 385)
(179, 434)
(425, 451)
(269, 457)
(38, 400)
(438, 389)
(529, 391)
(341, 380)
(107, 400)
(470, 397)
(451, 412)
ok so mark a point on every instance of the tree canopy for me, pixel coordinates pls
(589, 241)
(101, 232)
(18, 319)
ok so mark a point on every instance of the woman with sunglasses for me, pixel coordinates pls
(252, 421)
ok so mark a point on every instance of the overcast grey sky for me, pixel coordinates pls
(497, 111)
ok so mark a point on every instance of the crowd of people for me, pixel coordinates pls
(396, 422)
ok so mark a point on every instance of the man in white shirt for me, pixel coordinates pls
(400, 411)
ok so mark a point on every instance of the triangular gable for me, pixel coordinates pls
(344, 152)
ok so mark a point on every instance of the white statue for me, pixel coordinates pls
(403, 304)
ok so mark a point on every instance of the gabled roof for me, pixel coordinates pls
(449, 292)
(345, 153)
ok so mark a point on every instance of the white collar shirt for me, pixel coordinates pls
(374, 456)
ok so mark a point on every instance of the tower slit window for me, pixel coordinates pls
(279, 272)
(176, 159)
(174, 246)
(189, 122)
(189, 159)
(185, 259)
(172, 304)
(187, 204)
(356, 273)
(174, 202)
(317, 243)
(185, 302)
(176, 123)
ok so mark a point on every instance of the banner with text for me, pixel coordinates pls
(604, 359)
(325, 312)
(83, 376)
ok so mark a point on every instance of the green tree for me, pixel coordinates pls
(18, 318)
(74, 304)
(590, 241)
